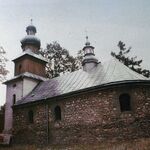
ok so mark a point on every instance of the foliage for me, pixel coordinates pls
(2, 108)
(59, 60)
(130, 62)
(3, 60)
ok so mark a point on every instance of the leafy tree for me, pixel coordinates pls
(2, 108)
(59, 60)
(3, 60)
(131, 62)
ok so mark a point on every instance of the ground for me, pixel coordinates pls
(140, 144)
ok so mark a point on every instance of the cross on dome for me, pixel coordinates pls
(31, 21)
(87, 41)
(31, 29)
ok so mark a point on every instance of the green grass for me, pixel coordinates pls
(140, 144)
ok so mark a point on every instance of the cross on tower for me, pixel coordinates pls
(87, 38)
(31, 21)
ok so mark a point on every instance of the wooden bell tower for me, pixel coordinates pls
(29, 71)
(29, 60)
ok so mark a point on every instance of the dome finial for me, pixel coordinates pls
(31, 29)
(87, 41)
(86, 38)
(31, 21)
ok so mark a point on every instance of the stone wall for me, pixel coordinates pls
(30, 133)
(86, 118)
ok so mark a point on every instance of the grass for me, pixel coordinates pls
(140, 144)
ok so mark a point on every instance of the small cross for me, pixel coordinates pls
(87, 38)
(31, 21)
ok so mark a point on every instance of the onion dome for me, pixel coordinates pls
(30, 38)
(31, 30)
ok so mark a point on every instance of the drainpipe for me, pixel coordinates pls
(47, 120)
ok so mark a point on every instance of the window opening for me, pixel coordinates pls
(124, 100)
(14, 85)
(30, 116)
(14, 99)
(57, 113)
(20, 67)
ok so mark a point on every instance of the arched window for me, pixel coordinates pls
(14, 99)
(57, 113)
(125, 104)
(30, 116)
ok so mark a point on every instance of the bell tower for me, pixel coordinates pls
(29, 60)
(29, 71)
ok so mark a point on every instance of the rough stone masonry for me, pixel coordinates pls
(90, 117)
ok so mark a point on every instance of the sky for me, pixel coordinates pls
(68, 21)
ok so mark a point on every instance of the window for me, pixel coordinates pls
(57, 113)
(124, 100)
(30, 116)
(14, 99)
(20, 67)
(14, 85)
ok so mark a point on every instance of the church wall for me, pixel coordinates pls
(96, 117)
(13, 88)
(29, 85)
(88, 118)
(26, 132)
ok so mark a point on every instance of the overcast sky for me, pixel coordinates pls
(66, 21)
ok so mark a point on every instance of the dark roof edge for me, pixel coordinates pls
(13, 79)
(90, 89)
(19, 57)
(22, 76)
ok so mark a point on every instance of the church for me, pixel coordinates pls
(102, 101)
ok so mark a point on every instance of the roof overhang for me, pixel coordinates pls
(82, 91)
(31, 54)
(25, 75)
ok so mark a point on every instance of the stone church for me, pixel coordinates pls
(102, 101)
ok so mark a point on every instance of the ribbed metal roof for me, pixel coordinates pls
(104, 74)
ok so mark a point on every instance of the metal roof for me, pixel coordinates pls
(28, 75)
(103, 74)
(29, 52)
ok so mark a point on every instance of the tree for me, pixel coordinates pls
(59, 60)
(130, 62)
(3, 60)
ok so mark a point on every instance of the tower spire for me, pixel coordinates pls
(89, 60)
